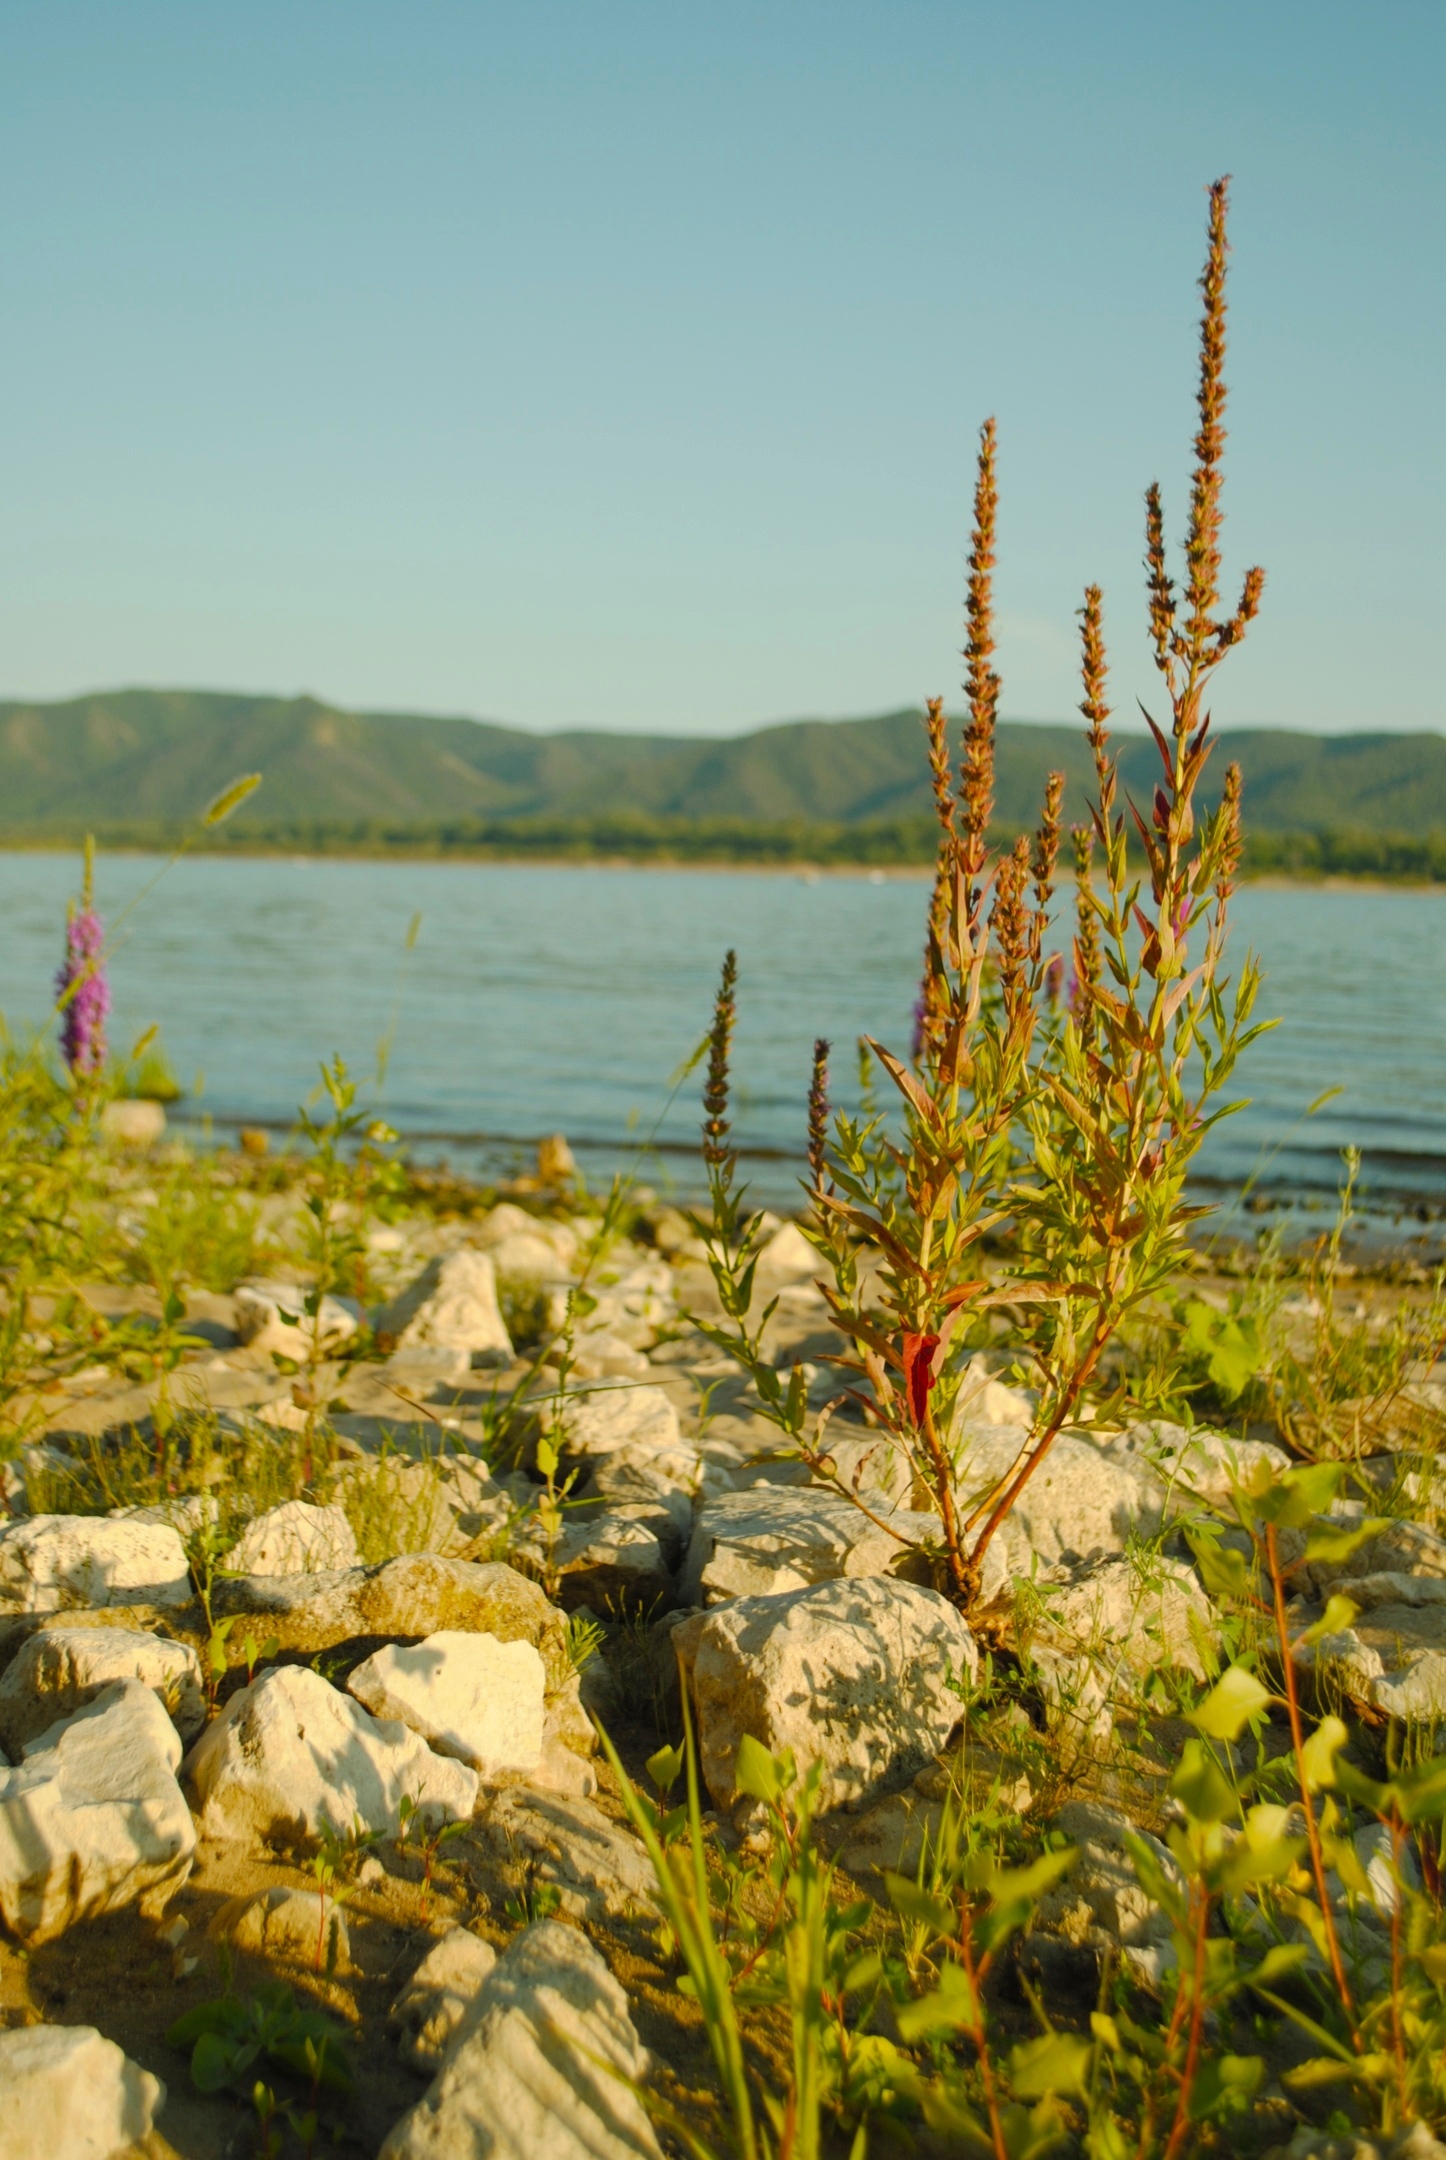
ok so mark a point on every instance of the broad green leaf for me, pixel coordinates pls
(1235, 1699)
(1200, 1786)
(1011, 1886)
(1326, 2070)
(912, 1903)
(1279, 1959)
(864, 1972)
(1225, 2082)
(1224, 1572)
(1337, 1617)
(1290, 1500)
(664, 1767)
(756, 1772)
(1421, 1793)
(1319, 1755)
(1230, 1344)
(215, 2062)
(226, 2016)
(1333, 1543)
(952, 2006)
(1054, 2063)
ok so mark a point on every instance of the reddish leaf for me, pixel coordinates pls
(919, 1375)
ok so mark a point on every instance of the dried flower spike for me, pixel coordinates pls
(720, 1038)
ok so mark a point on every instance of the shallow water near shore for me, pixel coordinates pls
(564, 998)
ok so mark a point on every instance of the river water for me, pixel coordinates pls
(543, 998)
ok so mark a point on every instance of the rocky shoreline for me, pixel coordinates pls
(194, 1722)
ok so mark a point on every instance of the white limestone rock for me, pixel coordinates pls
(852, 1675)
(608, 1357)
(598, 1871)
(1392, 1657)
(606, 1558)
(452, 1306)
(290, 1927)
(773, 1538)
(272, 1317)
(59, 1563)
(295, 1538)
(290, 1754)
(1401, 1548)
(1201, 1465)
(59, 1670)
(469, 1696)
(1121, 1614)
(633, 1306)
(528, 1256)
(543, 2069)
(427, 2014)
(404, 1599)
(1084, 1502)
(93, 1819)
(503, 1228)
(70, 2094)
(618, 1422)
(788, 1252)
(1102, 1890)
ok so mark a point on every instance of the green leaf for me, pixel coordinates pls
(321, 2062)
(952, 2005)
(1320, 2070)
(1230, 1343)
(664, 1767)
(1337, 1617)
(1225, 2082)
(1318, 1756)
(760, 1775)
(1290, 1500)
(864, 1972)
(1421, 1793)
(1199, 1785)
(1010, 1886)
(1224, 1572)
(1279, 1959)
(225, 2015)
(912, 1903)
(216, 2063)
(1235, 1699)
(1333, 1543)
(1054, 2063)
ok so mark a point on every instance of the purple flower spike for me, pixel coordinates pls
(81, 982)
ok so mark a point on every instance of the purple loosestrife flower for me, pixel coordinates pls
(82, 985)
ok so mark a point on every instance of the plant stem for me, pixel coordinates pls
(1297, 1736)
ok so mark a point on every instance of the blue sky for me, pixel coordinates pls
(620, 364)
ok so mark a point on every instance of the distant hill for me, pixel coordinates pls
(143, 763)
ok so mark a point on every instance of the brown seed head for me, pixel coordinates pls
(720, 1037)
(981, 683)
(1229, 861)
(1087, 927)
(1202, 536)
(818, 1114)
(1158, 583)
(1009, 922)
(1046, 855)
(941, 765)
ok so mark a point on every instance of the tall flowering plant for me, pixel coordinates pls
(81, 990)
(1074, 1131)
